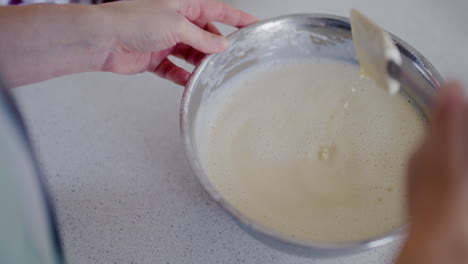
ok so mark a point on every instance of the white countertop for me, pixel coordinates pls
(112, 154)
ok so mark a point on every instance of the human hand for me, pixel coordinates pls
(45, 41)
(146, 32)
(438, 186)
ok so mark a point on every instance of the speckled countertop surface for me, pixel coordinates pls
(114, 161)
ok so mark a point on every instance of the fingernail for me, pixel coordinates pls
(453, 91)
(452, 97)
(221, 43)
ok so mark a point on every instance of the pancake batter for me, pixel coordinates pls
(309, 149)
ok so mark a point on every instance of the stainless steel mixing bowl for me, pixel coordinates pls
(314, 36)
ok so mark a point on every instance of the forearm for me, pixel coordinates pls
(40, 42)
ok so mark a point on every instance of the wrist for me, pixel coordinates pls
(111, 19)
(100, 37)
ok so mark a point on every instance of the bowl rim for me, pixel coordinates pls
(424, 66)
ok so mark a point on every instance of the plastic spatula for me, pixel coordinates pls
(377, 54)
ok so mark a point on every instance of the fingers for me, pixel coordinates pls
(190, 54)
(450, 124)
(213, 10)
(187, 50)
(208, 26)
(157, 58)
(202, 40)
(169, 71)
(449, 108)
(451, 95)
(212, 28)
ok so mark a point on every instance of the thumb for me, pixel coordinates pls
(451, 123)
(202, 40)
(450, 100)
